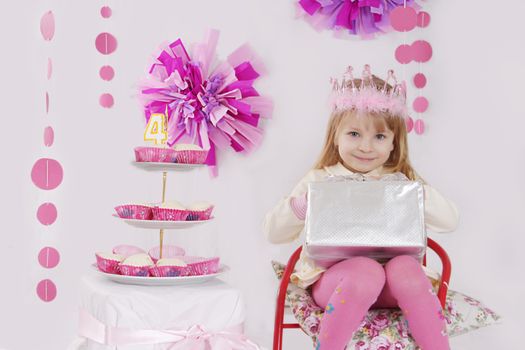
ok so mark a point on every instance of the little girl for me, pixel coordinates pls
(366, 134)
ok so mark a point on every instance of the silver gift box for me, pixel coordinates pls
(349, 217)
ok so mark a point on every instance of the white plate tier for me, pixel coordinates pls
(160, 281)
(162, 224)
(159, 166)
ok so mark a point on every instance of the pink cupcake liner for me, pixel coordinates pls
(128, 270)
(155, 154)
(108, 265)
(168, 251)
(197, 266)
(167, 271)
(127, 250)
(191, 156)
(134, 211)
(166, 214)
(194, 215)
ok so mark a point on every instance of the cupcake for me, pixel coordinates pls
(199, 211)
(127, 250)
(136, 265)
(134, 211)
(168, 251)
(170, 267)
(170, 211)
(109, 263)
(197, 266)
(190, 154)
(161, 154)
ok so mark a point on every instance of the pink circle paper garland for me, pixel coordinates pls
(47, 26)
(105, 12)
(420, 80)
(47, 174)
(48, 257)
(419, 126)
(106, 100)
(404, 19)
(47, 214)
(423, 19)
(404, 54)
(409, 124)
(419, 51)
(46, 290)
(106, 44)
(420, 104)
(106, 73)
(49, 136)
(422, 53)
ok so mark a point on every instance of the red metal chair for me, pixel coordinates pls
(279, 312)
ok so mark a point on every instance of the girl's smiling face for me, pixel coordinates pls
(364, 142)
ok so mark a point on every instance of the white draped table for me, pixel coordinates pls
(199, 316)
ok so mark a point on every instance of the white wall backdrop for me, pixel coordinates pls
(473, 151)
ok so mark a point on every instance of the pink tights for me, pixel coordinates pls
(348, 289)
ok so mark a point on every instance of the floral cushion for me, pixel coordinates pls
(387, 328)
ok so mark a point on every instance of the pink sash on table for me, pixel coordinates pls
(193, 338)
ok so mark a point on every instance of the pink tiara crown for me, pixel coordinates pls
(368, 97)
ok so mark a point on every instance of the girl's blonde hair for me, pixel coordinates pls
(398, 160)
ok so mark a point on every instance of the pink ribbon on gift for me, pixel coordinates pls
(195, 337)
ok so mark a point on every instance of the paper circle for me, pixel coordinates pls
(48, 257)
(49, 68)
(419, 126)
(403, 54)
(46, 290)
(106, 73)
(409, 124)
(47, 25)
(47, 102)
(421, 51)
(105, 11)
(47, 174)
(420, 80)
(420, 104)
(106, 43)
(47, 214)
(49, 136)
(403, 19)
(106, 100)
(423, 19)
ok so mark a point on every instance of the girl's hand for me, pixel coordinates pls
(299, 205)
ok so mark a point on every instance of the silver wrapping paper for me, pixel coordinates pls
(349, 217)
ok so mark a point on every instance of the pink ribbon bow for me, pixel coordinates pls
(195, 337)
